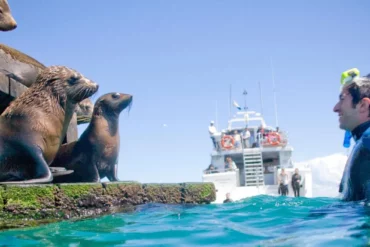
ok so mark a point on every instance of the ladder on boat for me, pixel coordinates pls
(253, 168)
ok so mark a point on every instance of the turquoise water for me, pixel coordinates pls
(257, 221)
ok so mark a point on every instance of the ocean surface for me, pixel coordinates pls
(257, 221)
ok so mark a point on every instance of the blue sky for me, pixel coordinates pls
(178, 58)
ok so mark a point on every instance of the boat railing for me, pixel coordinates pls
(218, 171)
(227, 142)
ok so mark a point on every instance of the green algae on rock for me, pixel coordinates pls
(31, 205)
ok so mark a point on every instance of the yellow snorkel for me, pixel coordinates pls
(345, 79)
(348, 75)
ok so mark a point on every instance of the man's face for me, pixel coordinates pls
(296, 171)
(348, 115)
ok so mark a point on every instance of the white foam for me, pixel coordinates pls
(326, 174)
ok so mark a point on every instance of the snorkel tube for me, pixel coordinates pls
(346, 78)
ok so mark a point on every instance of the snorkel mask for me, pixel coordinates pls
(345, 79)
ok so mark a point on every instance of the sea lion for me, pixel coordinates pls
(33, 126)
(84, 111)
(7, 22)
(95, 154)
(25, 69)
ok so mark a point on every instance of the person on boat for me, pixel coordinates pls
(353, 109)
(283, 182)
(296, 182)
(246, 135)
(228, 199)
(237, 139)
(211, 169)
(260, 135)
(212, 130)
(230, 164)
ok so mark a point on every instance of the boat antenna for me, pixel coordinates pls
(216, 123)
(245, 100)
(230, 102)
(259, 83)
(274, 89)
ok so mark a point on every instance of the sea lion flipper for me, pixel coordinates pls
(42, 172)
(60, 171)
(113, 176)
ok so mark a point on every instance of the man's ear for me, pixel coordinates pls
(364, 104)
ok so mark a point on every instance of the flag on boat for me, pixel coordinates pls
(237, 106)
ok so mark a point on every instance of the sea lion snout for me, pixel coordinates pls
(7, 21)
(125, 100)
(9, 25)
(90, 83)
(83, 88)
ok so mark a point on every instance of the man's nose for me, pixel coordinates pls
(336, 107)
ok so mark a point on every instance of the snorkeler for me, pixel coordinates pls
(353, 110)
(228, 199)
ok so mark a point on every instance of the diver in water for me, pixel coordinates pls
(228, 199)
(353, 109)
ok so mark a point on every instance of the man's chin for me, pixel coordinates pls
(343, 127)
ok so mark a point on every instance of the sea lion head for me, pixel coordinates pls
(84, 111)
(112, 103)
(7, 22)
(66, 84)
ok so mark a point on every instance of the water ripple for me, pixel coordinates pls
(257, 221)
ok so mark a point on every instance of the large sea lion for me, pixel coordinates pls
(95, 154)
(25, 69)
(7, 22)
(33, 126)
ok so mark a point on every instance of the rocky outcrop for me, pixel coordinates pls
(30, 205)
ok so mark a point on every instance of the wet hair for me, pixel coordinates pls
(359, 89)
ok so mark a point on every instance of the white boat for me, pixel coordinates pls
(259, 161)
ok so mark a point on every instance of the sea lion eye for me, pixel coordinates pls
(115, 96)
(73, 80)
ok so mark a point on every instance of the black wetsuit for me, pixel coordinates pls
(355, 183)
(295, 184)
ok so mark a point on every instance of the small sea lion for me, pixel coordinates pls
(84, 111)
(7, 22)
(25, 69)
(32, 128)
(95, 154)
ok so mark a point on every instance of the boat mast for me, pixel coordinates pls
(216, 123)
(245, 99)
(259, 83)
(274, 89)
(230, 103)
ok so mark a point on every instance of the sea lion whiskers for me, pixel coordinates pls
(81, 92)
(129, 107)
